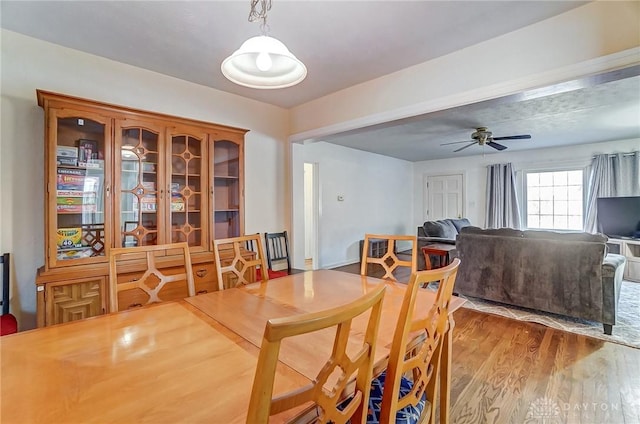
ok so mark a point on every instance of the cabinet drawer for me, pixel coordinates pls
(204, 276)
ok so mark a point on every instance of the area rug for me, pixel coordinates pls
(626, 331)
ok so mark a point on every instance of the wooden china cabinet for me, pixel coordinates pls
(119, 177)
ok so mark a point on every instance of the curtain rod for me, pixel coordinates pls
(616, 154)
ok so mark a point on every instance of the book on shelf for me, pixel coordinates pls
(69, 237)
(92, 164)
(76, 182)
(67, 171)
(145, 204)
(66, 161)
(67, 151)
(75, 193)
(75, 253)
(87, 150)
(149, 186)
(177, 202)
(76, 208)
(82, 200)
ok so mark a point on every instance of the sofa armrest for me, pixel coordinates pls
(612, 273)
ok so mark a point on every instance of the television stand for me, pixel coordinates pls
(630, 248)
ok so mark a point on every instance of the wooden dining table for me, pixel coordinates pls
(187, 361)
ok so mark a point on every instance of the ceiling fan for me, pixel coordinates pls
(483, 136)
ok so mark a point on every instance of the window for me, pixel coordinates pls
(555, 200)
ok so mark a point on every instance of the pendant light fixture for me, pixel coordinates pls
(262, 61)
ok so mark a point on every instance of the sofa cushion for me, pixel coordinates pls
(443, 228)
(460, 223)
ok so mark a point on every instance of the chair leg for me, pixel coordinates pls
(427, 261)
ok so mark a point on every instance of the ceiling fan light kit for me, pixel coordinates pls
(482, 136)
(263, 62)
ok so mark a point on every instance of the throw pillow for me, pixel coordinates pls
(460, 223)
(442, 229)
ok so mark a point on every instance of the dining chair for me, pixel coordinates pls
(251, 245)
(8, 322)
(154, 280)
(238, 268)
(386, 255)
(327, 392)
(277, 246)
(405, 391)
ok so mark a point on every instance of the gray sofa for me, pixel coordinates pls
(563, 273)
(442, 231)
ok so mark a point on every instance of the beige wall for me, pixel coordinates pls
(28, 64)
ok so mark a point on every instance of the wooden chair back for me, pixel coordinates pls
(277, 248)
(388, 258)
(240, 268)
(325, 392)
(153, 280)
(419, 362)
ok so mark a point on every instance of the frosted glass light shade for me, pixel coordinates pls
(242, 67)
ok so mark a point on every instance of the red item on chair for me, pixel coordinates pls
(272, 274)
(8, 324)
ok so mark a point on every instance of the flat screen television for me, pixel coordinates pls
(619, 216)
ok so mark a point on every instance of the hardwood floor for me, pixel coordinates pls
(508, 371)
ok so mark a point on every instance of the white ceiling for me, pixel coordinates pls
(342, 43)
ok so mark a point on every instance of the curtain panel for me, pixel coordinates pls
(502, 209)
(611, 175)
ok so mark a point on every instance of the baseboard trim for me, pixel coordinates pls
(338, 264)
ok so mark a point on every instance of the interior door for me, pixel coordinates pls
(444, 196)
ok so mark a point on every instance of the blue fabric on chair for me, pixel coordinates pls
(408, 415)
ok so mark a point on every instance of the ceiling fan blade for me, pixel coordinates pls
(496, 145)
(457, 142)
(468, 145)
(514, 137)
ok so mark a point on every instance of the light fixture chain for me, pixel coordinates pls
(256, 14)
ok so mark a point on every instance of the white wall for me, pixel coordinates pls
(28, 64)
(474, 169)
(378, 198)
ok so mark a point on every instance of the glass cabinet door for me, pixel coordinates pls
(227, 189)
(77, 202)
(139, 184)
(187, 189)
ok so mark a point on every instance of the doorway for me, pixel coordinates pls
(311, 212)
(444, 197)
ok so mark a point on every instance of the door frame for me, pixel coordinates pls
(315, 214)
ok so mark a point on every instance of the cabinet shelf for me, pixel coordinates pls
(227, 177)
(629, 248)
